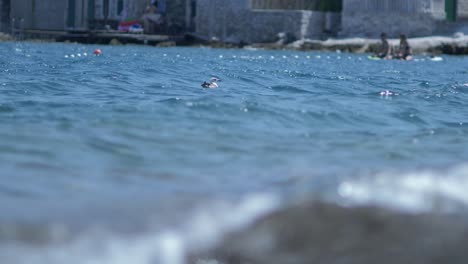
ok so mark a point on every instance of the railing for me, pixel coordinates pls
(316, 5)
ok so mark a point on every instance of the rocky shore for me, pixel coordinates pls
(317, 232)
(455, 45)
(5, 37)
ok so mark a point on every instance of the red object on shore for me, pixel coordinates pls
(126, 26)
(97, 52)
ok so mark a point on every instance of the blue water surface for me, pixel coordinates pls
(134, 124)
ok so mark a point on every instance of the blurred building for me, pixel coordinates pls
(5, 15)
(414, 17)
(245, 20)
(262, 20)
(82, 15)
(112, 11)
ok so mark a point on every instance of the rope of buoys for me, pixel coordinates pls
(97, 52)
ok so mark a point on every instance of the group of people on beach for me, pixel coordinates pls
(386, 51)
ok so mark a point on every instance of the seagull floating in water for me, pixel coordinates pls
(212, 84)
(387, 93)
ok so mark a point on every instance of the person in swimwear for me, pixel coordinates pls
(404, 52)
(385, 50)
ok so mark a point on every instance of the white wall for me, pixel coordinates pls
(368, 18)
(234, 21)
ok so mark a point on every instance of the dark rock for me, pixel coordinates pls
(323, 233)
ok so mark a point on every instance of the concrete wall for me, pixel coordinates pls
(21, 13)
(39, 14)
(462, 9)
(80, 16)
(176, 13)
(133, 9)
(368, 18)
(285, 4)
(5, 15)
(235, 21)
(220, 18)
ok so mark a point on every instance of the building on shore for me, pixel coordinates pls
(253, 21)
(48, 15)
(367, 18)
(5, 15)
(84, 15)
(262, 20)
(245, 21)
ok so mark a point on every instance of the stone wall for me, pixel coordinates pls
(462, 9)
(234, 21)
(368, 18)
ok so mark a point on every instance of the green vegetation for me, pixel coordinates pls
(330, 5)
(315, 5)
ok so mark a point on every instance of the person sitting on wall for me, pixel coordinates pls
(385, 50)
(152, 20)
(404, 52)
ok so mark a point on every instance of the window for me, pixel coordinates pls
(451, 9)
(105, 9)
(120, 7)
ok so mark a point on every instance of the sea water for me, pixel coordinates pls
(125, 158)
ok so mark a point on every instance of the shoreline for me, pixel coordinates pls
(436, 45)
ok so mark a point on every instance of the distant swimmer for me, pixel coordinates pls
(404, 52)
(385, 51)
(212, 84)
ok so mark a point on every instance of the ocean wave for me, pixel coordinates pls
(289, 89)
(205, 227)
(424, 190)
(316, 232)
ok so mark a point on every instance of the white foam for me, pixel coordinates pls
(416, 191)
(202, 230)
(208, 226)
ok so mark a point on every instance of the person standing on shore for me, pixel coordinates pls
(152, 19)
(404, 52)
(385, 50)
